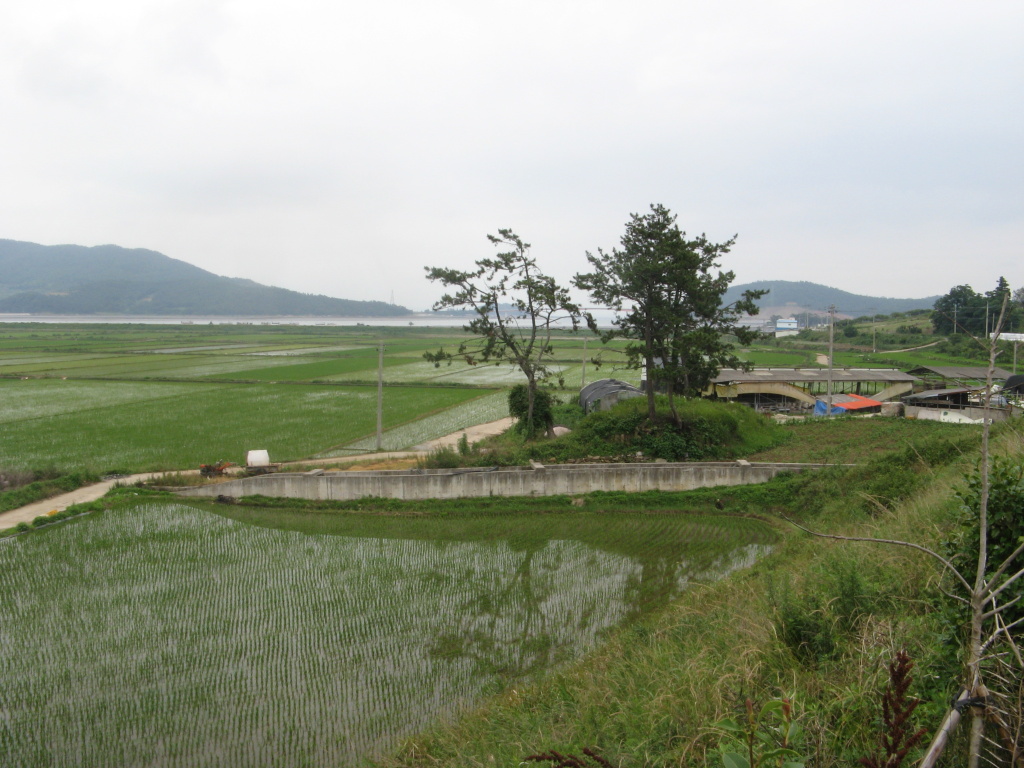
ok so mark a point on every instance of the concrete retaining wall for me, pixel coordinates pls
(568, 479)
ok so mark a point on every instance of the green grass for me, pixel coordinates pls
(160, 633)
(651, 694)
(777, 358)
(854, 441)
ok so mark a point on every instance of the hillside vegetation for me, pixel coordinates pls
(815, 623)
(709, 431)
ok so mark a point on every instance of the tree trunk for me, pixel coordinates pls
(531, 394)
(974, 684)
(649, 360)
(671, 386)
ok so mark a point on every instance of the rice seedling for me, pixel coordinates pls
(20, 400)
(314, 369)
(161, 634)
(198, 423)
(477, 411)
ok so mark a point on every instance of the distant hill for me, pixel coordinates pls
(789, 297)
(108, 279)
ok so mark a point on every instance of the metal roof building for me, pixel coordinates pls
(941, 398)
(604, 393)
(767, 385)
(957, 373)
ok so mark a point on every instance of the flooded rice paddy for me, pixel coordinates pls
(167, 634)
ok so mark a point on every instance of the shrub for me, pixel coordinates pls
(519, 408)
(1005, 525)
(837, 597)
(803, 624)
(444, 457)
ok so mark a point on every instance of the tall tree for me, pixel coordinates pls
(964, 311)
(517, 308)
(667, 291)
(956, 312)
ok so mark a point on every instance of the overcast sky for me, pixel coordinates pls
(339, 147)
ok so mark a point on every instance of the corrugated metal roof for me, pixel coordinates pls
(812, 375)
(853, 402)
(976, 373)
(934, 393)
(595, 390)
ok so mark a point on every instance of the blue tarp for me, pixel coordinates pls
(821, 409)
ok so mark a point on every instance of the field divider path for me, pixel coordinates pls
(88, 493)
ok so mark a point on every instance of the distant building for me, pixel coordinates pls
(786, 327)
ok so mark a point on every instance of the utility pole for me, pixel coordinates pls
(831, 340)
(380, 396)
(583, 376)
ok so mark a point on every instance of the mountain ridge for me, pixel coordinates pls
(110, 279)
(788, 296)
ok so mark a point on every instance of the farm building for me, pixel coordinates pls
(959, 405)
(784, 388)
(948, 376)
(1014, 385)
(604, 393)
(843, 404)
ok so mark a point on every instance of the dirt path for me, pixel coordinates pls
(87, 493)
(30, 512)
(908, 349)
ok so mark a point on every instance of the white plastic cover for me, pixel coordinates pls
(257, 459)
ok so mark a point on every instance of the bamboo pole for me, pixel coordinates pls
(941, 739)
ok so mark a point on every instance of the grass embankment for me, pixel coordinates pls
(851, 440)
(817, 621)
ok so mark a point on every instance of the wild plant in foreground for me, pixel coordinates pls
(559, 760)
(765, 738)
(896, 739)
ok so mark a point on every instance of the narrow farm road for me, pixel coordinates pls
(87, 493)
(30, 512)
(910, 349)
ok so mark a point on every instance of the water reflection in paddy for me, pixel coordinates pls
(256, 637)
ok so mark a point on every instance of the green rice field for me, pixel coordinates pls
(150, 397)
(167, 634)
(106, 425)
